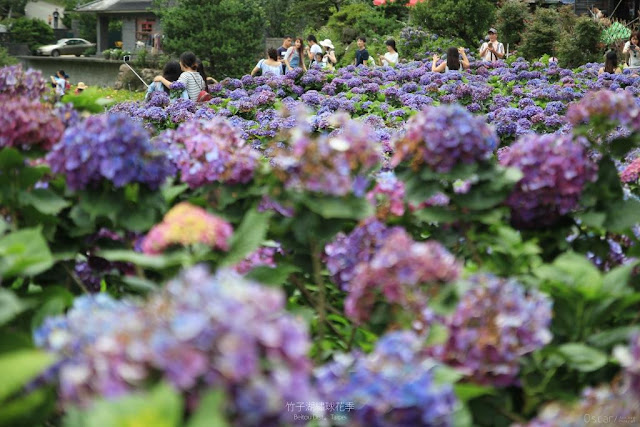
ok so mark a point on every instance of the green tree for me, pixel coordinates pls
(87, 22)
(228, 34)
(11, 8)
(511, 21)
(541, 34)
(466, 19)
(5, 58)
(34, 32)
(580, 46)
(358, 19)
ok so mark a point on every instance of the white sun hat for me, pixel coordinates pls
(327, 43)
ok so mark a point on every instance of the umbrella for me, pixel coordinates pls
(615, 32)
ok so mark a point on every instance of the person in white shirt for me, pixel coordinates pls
(631, 51)
(492, 50)
(389, 59)
(313, 49)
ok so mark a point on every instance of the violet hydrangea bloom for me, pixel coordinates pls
(393, 386)
(211, 151)
(618, 107)
(109, 147)
(26, 124)
(387, 197)
(405, 272)
(555, 170)
(186, 224)
(345, 252)
(495, 323)
(444, 137)
(199, 331)
(18, 83)
(261, 257)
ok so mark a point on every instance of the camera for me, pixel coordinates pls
(126, 58)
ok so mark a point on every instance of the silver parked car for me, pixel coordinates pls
(65, 47)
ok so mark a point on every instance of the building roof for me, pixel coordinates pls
(116, 6)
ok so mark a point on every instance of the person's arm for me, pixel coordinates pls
(255, 70)
(465, 60)
(483, 49)
(500, 52)
(164, 81)
(286, 62)
(310, 54)
(437, 68)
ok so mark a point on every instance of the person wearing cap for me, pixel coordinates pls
(81, 86)
(492, 50)
(329, 58)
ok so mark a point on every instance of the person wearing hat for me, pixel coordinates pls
(329, 57)
(492, 49)
(81, 86)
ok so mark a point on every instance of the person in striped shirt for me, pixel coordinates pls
(190, 76)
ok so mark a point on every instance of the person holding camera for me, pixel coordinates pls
(631, 51)
(492, 50)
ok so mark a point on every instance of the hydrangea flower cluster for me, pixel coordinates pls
(261, 257)
(199, 331)
(348, 251)
(618, 107)
(555, 170)
(393, 386)
(404, 272)
(388, 195)
(15, 82)
(444, 137)
(336, 164)
(208, 151)
(186, 224)
(631, 172)
(109, 147)
(28, 124)
(495, 323)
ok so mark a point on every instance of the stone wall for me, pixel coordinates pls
(91, 71)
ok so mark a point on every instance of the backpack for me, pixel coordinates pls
(67, 85)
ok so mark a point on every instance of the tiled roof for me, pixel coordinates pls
(116, 6)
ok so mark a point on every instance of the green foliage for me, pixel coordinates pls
(34, 32)
(5, 58)
(541, 34)
(309, 15)
(581, 45)
(359, 19)
(232, 46)
(511, 21)
(87, 22)
(91, 100)
(466, 19)
(12, 8)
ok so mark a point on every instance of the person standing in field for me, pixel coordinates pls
(314, 49)
(282, 52)
(492, 50)
(362, 54)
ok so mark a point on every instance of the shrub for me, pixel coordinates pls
(34, 32)
(541, 34)
(358, 19)
(5, 58)
(581, 45)
(511, 21)
(467, 19)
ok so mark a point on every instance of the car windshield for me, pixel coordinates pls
(61, 41)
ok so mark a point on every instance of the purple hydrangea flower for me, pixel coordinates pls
(121, 154)
(555, 170)
(28, 124)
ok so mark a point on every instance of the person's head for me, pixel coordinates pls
(611, 62)
(188, 60)
(312, 39)
(299, 45)
(391, 45)
(61, 74)
(492, 34)
(361, 42)
(286, 42)
(171, 71)
(453, 58)
(635, 37)
(81, 86)
(272, 54)
(318, 57)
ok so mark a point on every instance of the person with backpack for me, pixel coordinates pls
(492, 49)
(190, 77)
(60, 83)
